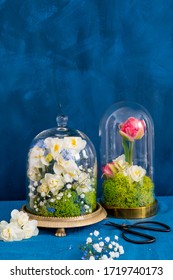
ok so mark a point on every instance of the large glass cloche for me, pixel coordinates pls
(61, 173)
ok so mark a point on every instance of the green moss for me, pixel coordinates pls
(119, 191)
(43, 211)
(90, 199)
(66, 206)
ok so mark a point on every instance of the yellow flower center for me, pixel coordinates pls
(56, 148)
(73, 142)
(137, 172)
(49, 157)
(71, 174)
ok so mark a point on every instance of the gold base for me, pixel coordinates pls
(68, 222)
(133, 213)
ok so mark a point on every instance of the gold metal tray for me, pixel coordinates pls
(67, 222)
(132, 213)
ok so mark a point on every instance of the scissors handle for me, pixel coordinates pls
(145, 237)
(161, 227)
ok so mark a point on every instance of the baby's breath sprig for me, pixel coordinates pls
(98, 248)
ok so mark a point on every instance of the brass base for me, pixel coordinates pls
(133, 213)
(68, 222)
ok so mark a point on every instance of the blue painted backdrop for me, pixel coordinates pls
(86, 55)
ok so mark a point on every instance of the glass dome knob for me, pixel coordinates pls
(62, 121)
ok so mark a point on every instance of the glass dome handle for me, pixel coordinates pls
(62, 121)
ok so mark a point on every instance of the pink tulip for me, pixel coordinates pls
(132, 129)
(109, 169)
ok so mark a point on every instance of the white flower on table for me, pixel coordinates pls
(107, 239)
(104, 257)
(96, 233)
(19, 217)
(30, 229)
(91, 258)
(89, 240)
(136, 173)
(97, 247)
(10, 232)
(19, 227)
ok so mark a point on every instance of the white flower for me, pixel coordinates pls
(116, 255)
(58, 169)
(2, 225)
(51, 182)
(67, 168)
(60, 195)
(136, 173)
(101, 250)
(104, 257)
(30, 229)
(54, 145)
(19, 218)
(43, 189)
(107, 239)
(120, 163)
(121, 250)
(68, 178)
(91, 258)
(10, 232)
(116, 245)
(69, 186)
(116, 237)
(96, 233)
(89, 240)
(19, 227)
(74, 143)
(84, 178)
(34, 173)
(83, 189)
(112, 254)
(37, 157)
(97, 247)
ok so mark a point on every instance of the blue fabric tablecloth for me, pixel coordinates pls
(47, 246)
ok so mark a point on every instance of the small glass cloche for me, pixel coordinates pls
(61, 173)
(127, 148)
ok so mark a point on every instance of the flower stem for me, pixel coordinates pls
(126, 150)
(131, 146)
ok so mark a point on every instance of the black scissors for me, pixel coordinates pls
(146, 225)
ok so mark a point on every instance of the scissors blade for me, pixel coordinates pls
(122, 227)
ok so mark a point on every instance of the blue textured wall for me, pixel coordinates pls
(85, 55)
